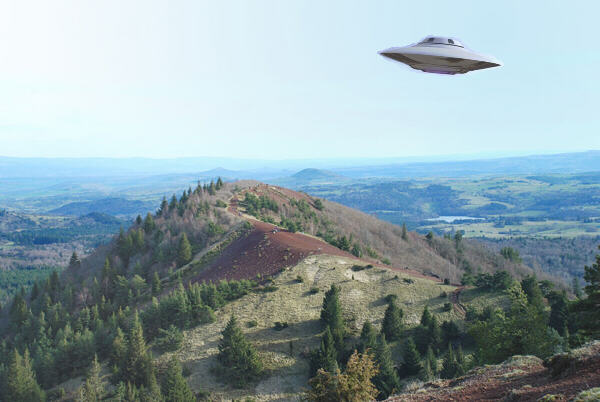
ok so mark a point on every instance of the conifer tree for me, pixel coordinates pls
(433, 362)
(386, 380)
(331, 315)
(559, 315)
(93, 389)
(138, 367)
(219, 184)
(138, 220)
(184, 251)
(237, 356)
(404, 232)
(368, 337)
(156, 285)
(426, 317)
(174, 387)
(451, 367)
(21, 384)
(164, 207)
(74, 262)
(173, 203)
(412, 361)
(392, 322)
(149, 224)
(326, 357)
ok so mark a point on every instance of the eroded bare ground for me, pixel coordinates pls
(521, 378)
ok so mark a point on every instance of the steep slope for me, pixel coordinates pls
(521, 378)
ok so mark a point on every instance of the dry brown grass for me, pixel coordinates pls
(287, 375)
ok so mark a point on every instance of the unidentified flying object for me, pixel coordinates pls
(440, 55)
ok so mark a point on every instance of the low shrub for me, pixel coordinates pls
(280, 325)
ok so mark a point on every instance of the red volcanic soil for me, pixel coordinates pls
(266, 252)
(526, 380)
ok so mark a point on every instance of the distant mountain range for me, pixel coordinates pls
(267, 169)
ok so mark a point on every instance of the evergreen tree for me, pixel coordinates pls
(164, 207)
(237, 356)
(386, 380)
(404, 232)
(173, 204)
(21, 384)
(354, 385)
(392, 322)
(452, 367)
(432, 361)
(532, 289)
(559, 315)
(368, 337)
(74, 262)
(138, 220)
(412, 361)
(93, 388)
(138, 368)
(426, 317)
(149, 224)
(326, 356)
(156, 286)
(174, 387)
(331, 315)
(184, 251)
(219, 184)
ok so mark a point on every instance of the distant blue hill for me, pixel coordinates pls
(109, 206)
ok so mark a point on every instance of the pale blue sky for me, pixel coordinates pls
(292, 79)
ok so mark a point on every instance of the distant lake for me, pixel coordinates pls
(451, 219)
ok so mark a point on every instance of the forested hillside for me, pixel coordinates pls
(236, 290)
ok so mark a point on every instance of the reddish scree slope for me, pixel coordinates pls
(266, 252)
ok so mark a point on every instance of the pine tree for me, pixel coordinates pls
(74, 262)
(138, 220)
(392, 322)
(368, 337)
(451, 367)
(412, 361)
(149, 224)
(331, 315)
(404, 232)
(237, 356)
(174, 387)
(460, 361)
(164, 207)
(20, 382)
(138, 368)
(386, 380)
(93, 388)
(432, 360)
(426, 317)
(355, 384)
(156, 286)
(219, 184)
(184, 251)
(326, 357)
(559, 315)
